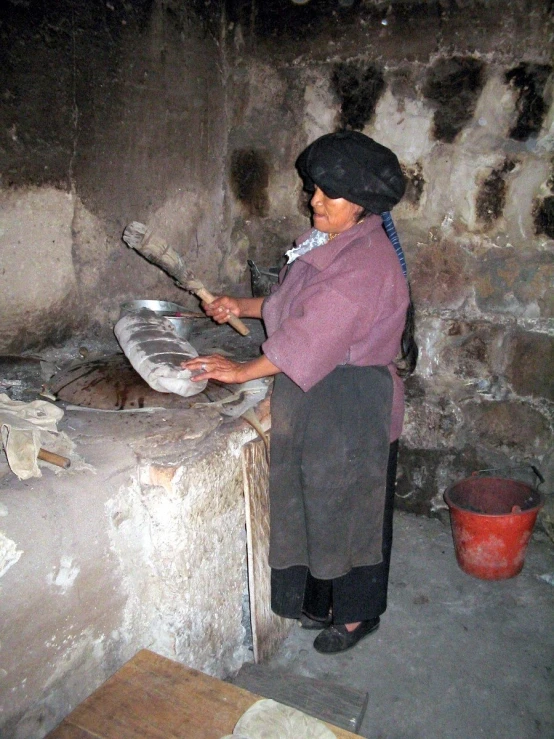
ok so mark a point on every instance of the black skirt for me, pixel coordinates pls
(329, 456)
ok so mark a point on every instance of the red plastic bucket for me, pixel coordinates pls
(492, 521)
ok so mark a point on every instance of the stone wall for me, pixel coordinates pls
(463, 93)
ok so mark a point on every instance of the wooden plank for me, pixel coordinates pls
(327, 701)
(157, 698)
(67, 731)
(152, 697)
(268, 630)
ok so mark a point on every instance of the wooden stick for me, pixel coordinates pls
(235, 322)
(56, 459)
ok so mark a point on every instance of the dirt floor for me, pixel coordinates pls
(455, 657)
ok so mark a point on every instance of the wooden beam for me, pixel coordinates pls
(268, 630)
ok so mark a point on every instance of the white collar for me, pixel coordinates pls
(317, 238)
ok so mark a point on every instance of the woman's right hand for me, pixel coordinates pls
(222, 308)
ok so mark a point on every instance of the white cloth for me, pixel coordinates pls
(318, 238)
(25, 427)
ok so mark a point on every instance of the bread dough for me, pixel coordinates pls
(267, 719)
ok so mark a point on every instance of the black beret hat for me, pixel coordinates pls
(350, 165)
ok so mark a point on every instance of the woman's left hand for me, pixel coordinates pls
(216, 367)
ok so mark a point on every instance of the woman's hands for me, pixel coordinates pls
(216, 367)
(220, 368)
(222, 308)
(225, 306)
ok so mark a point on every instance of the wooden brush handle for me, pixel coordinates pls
(157, 251)
(235, 322)
(56, 459)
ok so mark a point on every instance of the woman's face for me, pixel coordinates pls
(333, 215)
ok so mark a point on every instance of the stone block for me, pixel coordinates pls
(441, 274)
(546, 516)
(459, 352)
(416, 479)
(431, 423)
(425, 474)
(527, 185)
(510, 426)
(515, 282)
(531, 366)
(472, 349)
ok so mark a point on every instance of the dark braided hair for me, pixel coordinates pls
(409, 350)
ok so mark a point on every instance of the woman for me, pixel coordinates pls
(335, 327)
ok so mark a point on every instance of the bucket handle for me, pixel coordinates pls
(518, 467)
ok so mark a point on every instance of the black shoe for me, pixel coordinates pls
(308, 622)
(337, 638)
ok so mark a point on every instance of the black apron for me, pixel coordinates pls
(359, 595)
(329, 454)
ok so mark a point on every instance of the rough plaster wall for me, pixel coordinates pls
(180, 536)
(39, 284)
(481, 272)
(110, 113)
(265, 101)
(138, 554)
(61, 602)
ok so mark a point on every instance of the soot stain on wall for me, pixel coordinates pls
(415, 183)
(530, 81)
(303, 203)
(52, 329)
(544, 217)
(454, 85)
(250, 180)
(50, 55)
(492, 194)
(208, 11)
(359, 89)
(543, 212)
(273, 19)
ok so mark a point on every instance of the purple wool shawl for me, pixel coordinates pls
(341, 303)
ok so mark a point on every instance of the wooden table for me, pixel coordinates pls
(156, 698)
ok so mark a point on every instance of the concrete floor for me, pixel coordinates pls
(455, 657)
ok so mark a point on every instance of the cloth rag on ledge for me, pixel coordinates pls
(25, 427)
(267, 719)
